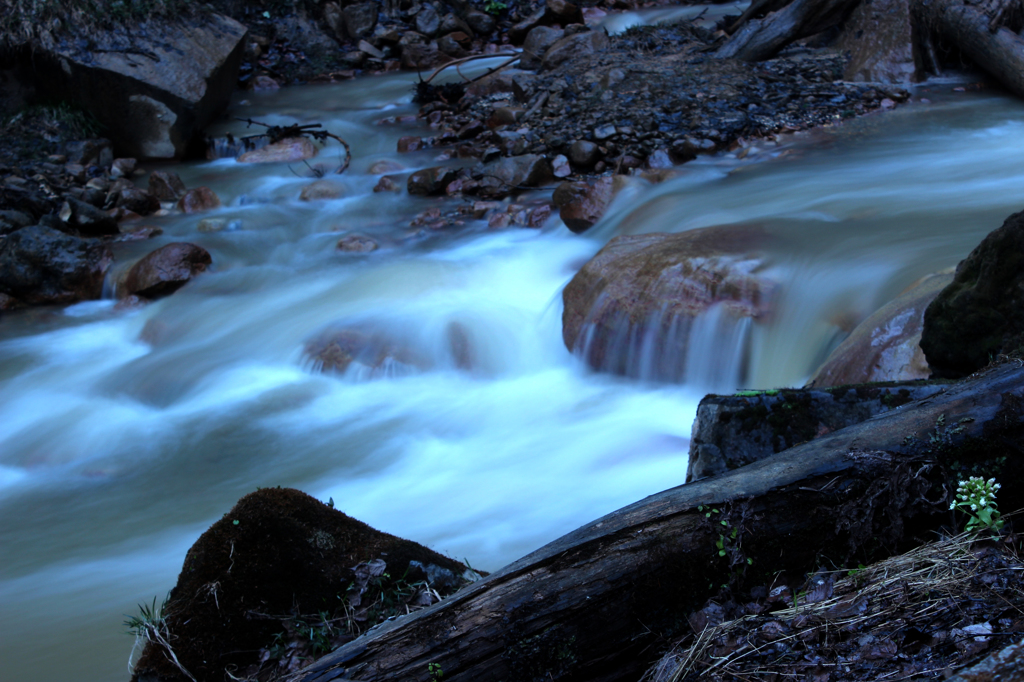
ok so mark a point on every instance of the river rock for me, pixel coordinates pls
(289, 150)
(122, 168)
(387, 183)
(528, 170)
(537, 43)
(978, 316)
(322, 189)
(89, 220)
(885, 346)
(565, 49)
(581, 204)
(584, 154)
(481, 22)
(166, 185)
(156, 88)
(370, 352)
(731, 431)
(167, 269)
(277, 552)
(198, 199)
(427, 21)
(360, 19)
(630, 309)
(384, 166)
(430, 181)
(94, 152)
(357, 243)
(137, 201)
(41, 265)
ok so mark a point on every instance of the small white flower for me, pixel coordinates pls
(982, 502)
(974, 507)
(952, 505)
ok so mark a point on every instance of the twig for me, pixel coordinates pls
(470, 59)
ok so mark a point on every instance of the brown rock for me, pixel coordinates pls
(471, 130)
(166, 185)
(409, 143)
(629, 310)
(286, 151)
(322, 189)
(167, 269)
(528, 170)
(580, 205)
(562, 13)
(885, 346)
(451, 47)
(198, 199)
(480, 22)
(41, 265)
(263, 83)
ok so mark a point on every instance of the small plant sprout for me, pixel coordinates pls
(976, 497)
(435, 672)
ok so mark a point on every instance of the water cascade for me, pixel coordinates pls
(468, 426)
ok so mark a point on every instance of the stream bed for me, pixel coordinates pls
(124, 434)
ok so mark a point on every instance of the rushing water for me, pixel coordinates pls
(124, 434)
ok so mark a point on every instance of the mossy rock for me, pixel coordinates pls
(978, 316)
(277, 554)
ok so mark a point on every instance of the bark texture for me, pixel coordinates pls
(591, 605)
(758, 39)
(976, 31)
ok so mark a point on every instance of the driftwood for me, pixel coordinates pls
(756, 39)
(597, 603)
(974, 30)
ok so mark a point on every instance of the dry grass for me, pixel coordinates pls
(924, 590)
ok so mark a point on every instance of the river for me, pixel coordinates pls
(124, 434)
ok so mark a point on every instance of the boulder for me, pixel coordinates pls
(371, 352)
(122, 168)
(580, 204)
(731, 431)
(885, 346)
(166, 185)
(565, 49)
(430, 181)
(198, 199)
(166, 270)
(280, 555)
(322, 189)
(384, 166)
(630, 309)
(288, 150)
(978, 315)
(41, 265)
(157, 88)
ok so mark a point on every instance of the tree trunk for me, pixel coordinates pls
(597, 603)
(761, 38)
(999, 51)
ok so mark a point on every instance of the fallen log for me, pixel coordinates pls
(997, 50)
(598, 603)
(758, 39)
